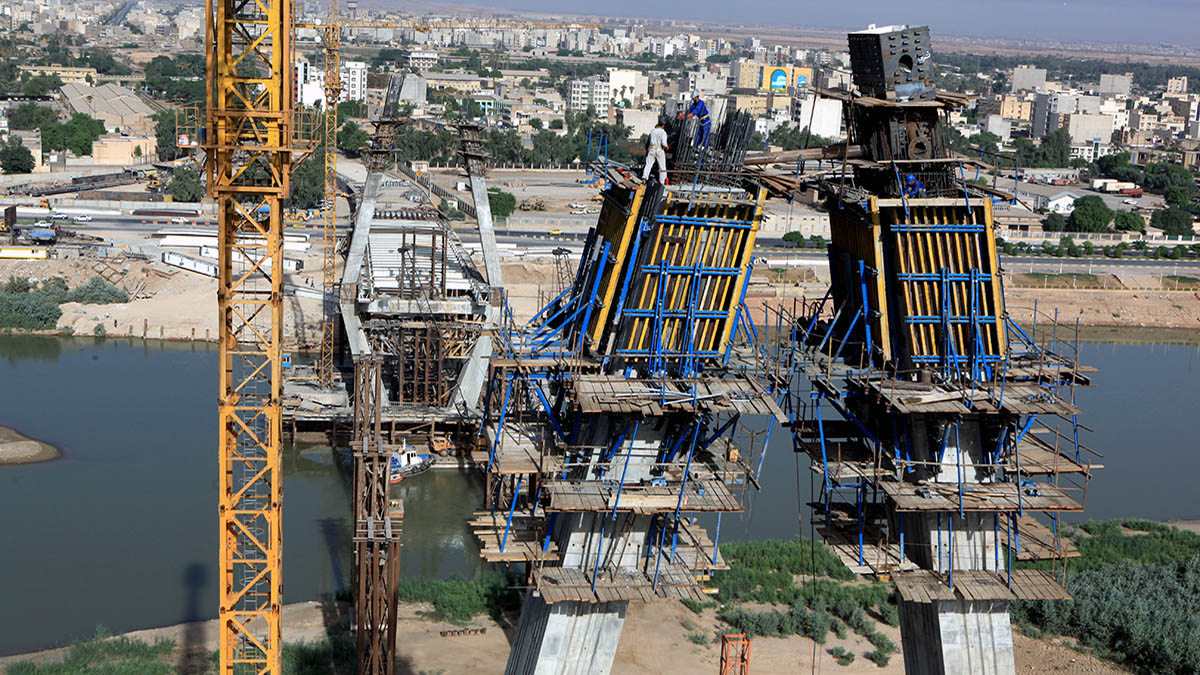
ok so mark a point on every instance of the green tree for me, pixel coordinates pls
(1091, 214)
(30, 115)
(1129, 221)
(1160, 175)
(1177, 195)
(556, 123)
(185, 186)
(1055, 150)
(1054, 223)
(15, 157)
(348, 109)
(308, 183)
(1109, 163)
(535, 123)
(165, 136)
(1172, 221)
(352, 138)
(501, 203)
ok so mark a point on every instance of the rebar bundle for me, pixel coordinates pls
(717, 162)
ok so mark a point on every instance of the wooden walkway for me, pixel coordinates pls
(925, 586)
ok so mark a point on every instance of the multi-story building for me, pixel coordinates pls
(1116, 84)
(594, 91)
(1087, 128)
(421, 59)
(354, 81)
(631, 85)
(1028, 78)
(1177, 85)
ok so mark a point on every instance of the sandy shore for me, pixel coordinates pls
(654, 640)
(17, 448)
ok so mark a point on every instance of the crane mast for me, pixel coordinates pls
(247, 135)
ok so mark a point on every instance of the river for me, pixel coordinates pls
(121, 532)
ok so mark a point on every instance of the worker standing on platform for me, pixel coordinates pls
(700, 111)
(657, 152)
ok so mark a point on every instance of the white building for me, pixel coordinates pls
(627, 84)
(354, 81)
(1028, 78)
(1063, 202)
(1086, 128)
(1177, 85)
(421, 59)
(1116, 84)
(826, 119)
(593, 92)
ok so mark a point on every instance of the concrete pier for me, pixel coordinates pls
(961, 637)
(566, 638)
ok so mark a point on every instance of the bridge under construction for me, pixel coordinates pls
(644, 393)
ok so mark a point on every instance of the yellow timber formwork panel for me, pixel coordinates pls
(248, 143)
(692, 232)
(862, 241)
(932, 236)
(617, 225)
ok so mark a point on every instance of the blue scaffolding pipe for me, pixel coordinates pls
(656, 336)
(938, 229)
(742, 315)
(500, 425)
(860, 495)
(853, 322)
(851, 417)
(620, 311)
(628, 454)
(683, 270)
(900, 517)
(662, 532)
(549, 412)
(682, 488)
(689, 337)
(933, 276)
(1008, 521)
(941, 563)
(866, 308)
(609, 452)
(899, 184)
(677, 314)
(550, 304)
(601, 263)
(716, 538)
(996, 539)
(720, 430)
(824, 454)
(713, 222)
(549, 531)
(767, 441)
(511, 509)
(949, 319)
(599, 549)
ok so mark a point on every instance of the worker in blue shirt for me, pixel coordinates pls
(914, 187)
(700, 111)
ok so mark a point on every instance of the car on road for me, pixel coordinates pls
(179, 220)
(59, 216)
(43, 223)
(592, 211)
(556, 232)
(1132, 202)
(82, 218)
(579, 212)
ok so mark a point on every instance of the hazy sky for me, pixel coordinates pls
(1137, 21)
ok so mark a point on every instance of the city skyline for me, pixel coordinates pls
(1154, 22)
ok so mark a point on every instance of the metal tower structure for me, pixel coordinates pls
(610, 417)
(924, 393)
(249, 135)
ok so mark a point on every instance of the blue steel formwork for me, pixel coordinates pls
(619, 411)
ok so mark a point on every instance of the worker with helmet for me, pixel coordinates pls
(914, 187)
(656, 152)
(700, 111)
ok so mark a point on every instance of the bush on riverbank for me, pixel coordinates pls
(459, 600)
(112, 656)
(828, 597)
(24, 306)
(1136, 597)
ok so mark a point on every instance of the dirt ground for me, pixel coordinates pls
(654, 640)
(557, 189)
(1141, 309)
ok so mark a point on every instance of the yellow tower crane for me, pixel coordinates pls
(251, 137)
(331, 36)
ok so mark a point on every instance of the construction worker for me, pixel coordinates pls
(914, 187)
(700, 111)
(657, 152)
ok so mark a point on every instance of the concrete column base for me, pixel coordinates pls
(566, 638)
(964, 637)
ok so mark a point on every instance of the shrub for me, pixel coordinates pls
(459, 600)
(98, 331)
(98, 292)
(29, 311)
(16, 284)
(698, 638)
(696, 606)
(890, 614)
(880, 657)
(688, 624)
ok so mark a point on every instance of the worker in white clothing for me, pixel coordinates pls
(657, 152)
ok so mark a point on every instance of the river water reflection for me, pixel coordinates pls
(122, 531)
